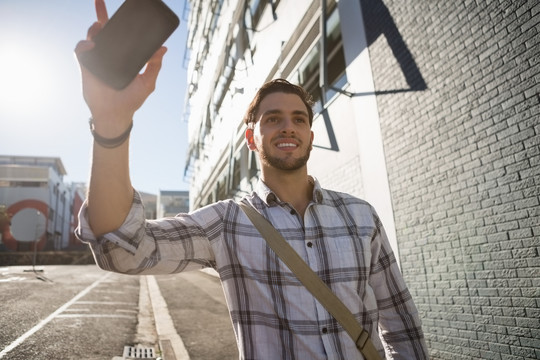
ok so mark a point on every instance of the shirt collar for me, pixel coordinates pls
(270, 198)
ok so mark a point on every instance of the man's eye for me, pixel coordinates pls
(300, 120)
(272, 119)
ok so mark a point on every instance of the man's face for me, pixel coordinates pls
(282, 135)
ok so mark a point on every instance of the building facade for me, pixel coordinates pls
(428, 110)
(150, 205)
(77, 195)
(172, 202)
(42, 208)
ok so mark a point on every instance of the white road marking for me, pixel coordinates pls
(106, 303)
(127, 311)
(13, 278)
(94, 316)
(44, 322)
(108, 292)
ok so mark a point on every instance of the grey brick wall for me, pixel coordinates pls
(344, 177)
(458, 96)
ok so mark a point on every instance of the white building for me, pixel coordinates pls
(33, 191)
(235, 47)
(172, 202)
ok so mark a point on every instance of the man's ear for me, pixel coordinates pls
(250, 142)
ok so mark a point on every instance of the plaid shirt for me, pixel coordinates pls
(274, 316)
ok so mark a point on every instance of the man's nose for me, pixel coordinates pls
(287, 125)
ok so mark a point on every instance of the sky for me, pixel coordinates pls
(42, 110)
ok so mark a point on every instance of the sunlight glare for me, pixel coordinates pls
(26, 84)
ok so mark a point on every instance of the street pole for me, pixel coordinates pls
(36, 236)
(36, 243)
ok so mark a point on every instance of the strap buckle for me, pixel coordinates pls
(362, 339)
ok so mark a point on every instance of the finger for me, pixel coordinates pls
(158, 55)
(93, 30)
(153, 66)
(101, 11)
(83, 45)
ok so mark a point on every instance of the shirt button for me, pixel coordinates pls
(324, 330)
(293, 212)
(309, 244)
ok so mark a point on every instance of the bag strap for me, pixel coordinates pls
(312, 282)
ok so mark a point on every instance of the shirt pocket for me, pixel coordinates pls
(350, 255)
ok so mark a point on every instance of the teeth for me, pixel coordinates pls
(286, 145)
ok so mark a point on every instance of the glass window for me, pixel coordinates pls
(216, 12)
(252, 16)
(252, 165)
(236, 175)
(222, 190)
(224, 81)
(256, 8)
(33, 184)
(308, 73)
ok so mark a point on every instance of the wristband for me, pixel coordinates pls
(108, 142)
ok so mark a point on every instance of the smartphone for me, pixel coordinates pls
(128, 40)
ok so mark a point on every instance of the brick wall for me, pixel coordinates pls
(458, 96)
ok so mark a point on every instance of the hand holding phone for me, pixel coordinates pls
(128, 40)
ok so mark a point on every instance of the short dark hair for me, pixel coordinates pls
(273, 86)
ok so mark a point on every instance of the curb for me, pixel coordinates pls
(171, 344)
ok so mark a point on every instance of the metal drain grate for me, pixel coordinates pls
(131, 352)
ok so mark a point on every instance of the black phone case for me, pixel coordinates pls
(128, 40)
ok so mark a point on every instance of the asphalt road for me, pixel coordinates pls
(76, 312)
(199, 313)
(82, 312)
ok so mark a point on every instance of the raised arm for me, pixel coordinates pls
(110, 191)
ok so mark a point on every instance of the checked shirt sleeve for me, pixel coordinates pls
(145, 247)
(399, 322)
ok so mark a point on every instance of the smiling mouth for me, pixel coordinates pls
(286, 145)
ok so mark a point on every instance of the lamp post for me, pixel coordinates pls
(36, 240)
(38, 214)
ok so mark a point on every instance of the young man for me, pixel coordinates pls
(274, 316)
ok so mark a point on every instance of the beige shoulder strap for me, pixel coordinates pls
(313, 283)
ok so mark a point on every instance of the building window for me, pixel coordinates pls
(252, 165)
(253, 13)
(224, 81)
(236, 178)
(222, 190)
(256, 8)
(308, 73)
(32, 184)
(216, 12)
